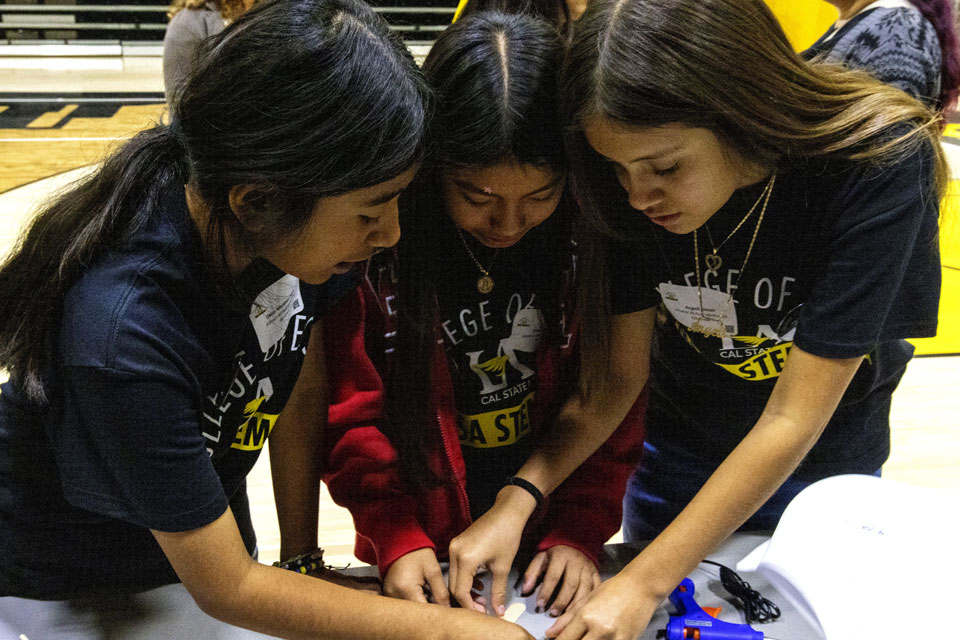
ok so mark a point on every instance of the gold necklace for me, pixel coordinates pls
(712, 260)
(485, 281)
(767, 192)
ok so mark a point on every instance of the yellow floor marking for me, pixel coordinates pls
(52, 118)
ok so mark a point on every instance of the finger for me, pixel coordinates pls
(586, 586)
(533, 573)
(498, 589)
(566, 627)
(551, 580)
(438, 589)
(568, 588)
(414, 593)
(460, 588)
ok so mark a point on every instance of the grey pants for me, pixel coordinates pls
(165, 613)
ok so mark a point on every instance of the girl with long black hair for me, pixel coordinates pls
(459, 419)
(163, 317)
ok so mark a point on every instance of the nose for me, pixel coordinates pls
(509, 219)
(643, 194)
(387, 232)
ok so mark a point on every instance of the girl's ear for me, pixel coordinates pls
(251, 204)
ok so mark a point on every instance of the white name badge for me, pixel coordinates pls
(270, 313)
(706, 311)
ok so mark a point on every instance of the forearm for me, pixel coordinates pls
(579, 430)
(297, 502)
(289, 605)
(798, 410)
(295, 454)
(736, 490)
(228, 584)
(585, 422)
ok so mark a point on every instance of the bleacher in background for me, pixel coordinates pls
(136, 22)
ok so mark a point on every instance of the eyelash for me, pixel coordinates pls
(474, 203)
(667, 171)
(368, 220)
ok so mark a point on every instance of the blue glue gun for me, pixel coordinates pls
(693, 623)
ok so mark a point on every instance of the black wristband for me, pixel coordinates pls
(303, 563)
(527, 486)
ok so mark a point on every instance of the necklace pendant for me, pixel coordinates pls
(713, 262)
(485, 284)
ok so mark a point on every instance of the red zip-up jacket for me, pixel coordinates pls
(361, 468)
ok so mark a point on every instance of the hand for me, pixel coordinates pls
(492, 542)
(471, 625)
(564, 567)
(616, 610)
(415, 574)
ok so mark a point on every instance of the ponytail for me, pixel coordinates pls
(70, 233)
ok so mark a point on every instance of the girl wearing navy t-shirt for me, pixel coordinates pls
(774, 223)
(156, 321)
(466, 412)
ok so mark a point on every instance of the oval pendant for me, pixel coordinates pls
(485, 284)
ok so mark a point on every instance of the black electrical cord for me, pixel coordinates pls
(756, 608)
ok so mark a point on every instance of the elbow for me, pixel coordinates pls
(224, 599)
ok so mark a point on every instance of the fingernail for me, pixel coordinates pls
(540, 604)
(554, 613)
(501, 610)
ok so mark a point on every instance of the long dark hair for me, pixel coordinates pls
(722, 65)
(494, 76)
(303, 98)
(940, 14)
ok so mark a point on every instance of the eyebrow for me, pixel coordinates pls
(382, 199)
(658, 154)
(466, 186)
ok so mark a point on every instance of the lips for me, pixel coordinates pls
(500, 242)
(664, 220)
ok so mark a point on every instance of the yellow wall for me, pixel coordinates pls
(803, 20)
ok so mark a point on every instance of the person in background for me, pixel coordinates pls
(164, 317)
(909, 44)
(776, 222)
(457, 419)
(192, 22)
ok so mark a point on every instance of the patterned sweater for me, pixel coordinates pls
(895, 44)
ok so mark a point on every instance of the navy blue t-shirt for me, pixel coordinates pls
(845, 264)
(164, 388)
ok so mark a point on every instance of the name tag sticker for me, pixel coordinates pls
(270, 313)
(705, 311)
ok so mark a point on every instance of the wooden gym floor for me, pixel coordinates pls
(59, 117)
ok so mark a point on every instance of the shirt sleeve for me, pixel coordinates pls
(880, 278)
(131, 447)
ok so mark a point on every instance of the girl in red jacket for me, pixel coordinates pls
(455, 410)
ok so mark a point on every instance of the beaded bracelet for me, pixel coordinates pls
(303, 563)
(527, 486)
